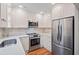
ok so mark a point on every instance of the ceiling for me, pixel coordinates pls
(35, 7)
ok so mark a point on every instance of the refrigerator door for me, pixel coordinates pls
(56, 32)
(67, 33)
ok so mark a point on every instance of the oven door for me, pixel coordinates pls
(34, 41)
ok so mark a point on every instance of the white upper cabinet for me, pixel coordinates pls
(19, 18)
(44, 21)
(18, 15)
(47, 21)
(63, 10)
(3, 15)
(12, 17)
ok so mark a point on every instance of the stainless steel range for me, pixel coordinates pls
(34, 41)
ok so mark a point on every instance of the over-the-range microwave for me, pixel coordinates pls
(32, 24)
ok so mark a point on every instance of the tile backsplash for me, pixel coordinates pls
(0, 33)
(5, 32)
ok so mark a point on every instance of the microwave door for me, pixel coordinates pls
(32, 24)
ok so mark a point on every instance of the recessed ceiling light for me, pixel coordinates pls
(20, 6)
(41, 12)
(53, 3)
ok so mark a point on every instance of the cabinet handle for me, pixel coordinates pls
(3, 19)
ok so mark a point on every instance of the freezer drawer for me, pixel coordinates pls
(60, 50)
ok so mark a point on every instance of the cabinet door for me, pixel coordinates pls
(46, 41)
(25, 42)
(0, 15)
(45, 21)
(3, 14)
(19, 18)
(40, 23)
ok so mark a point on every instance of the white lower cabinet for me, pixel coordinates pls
(25, 43)
(46, 41)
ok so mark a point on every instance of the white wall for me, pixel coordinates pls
(66, 10)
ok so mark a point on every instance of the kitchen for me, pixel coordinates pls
(28, 21)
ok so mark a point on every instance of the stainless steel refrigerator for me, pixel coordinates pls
(63, 36)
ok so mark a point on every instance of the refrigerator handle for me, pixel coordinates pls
(58, 34)
(61, 34)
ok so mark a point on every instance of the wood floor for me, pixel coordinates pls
(41, 51)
